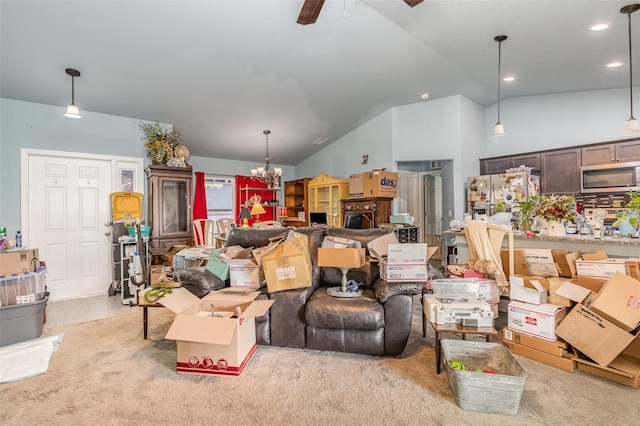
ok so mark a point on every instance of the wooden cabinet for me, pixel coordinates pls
(611, 153)
(561, 171)
(296, 200)
(375, 210)
(325, 193)
(501, 164)
(169, 206)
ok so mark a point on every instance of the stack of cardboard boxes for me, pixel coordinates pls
(592, 322)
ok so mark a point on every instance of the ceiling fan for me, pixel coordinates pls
(311, 10)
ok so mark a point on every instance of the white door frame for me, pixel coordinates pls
(132, 165)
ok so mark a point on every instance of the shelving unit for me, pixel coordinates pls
(296, 200)
(325, 193)
(122, 250)
(247, 192)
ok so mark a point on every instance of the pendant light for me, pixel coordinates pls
(632, 126)
(267, 174)
(72, 109)
(498, 129)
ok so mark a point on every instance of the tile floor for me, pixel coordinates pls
(83, 309)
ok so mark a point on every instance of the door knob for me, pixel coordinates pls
(107, 233)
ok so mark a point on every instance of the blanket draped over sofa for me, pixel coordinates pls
(376, 323)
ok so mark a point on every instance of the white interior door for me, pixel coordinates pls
(67, 213)
(408, 200)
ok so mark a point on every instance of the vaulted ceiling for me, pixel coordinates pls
(223, 71)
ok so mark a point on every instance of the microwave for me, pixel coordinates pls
(614, 177)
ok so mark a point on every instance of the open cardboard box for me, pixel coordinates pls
(287, 263)
(625, 369)
(214, 341)
(528, 289)
(619, 301)
(416, 270)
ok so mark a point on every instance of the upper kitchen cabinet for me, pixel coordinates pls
(501, 164)
(561, 171)
(619, 152)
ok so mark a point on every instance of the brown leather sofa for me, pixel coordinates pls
(377, 323)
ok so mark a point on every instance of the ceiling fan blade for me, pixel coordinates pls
(310, 11)
(413, 2)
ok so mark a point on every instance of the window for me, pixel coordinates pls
(219, 190)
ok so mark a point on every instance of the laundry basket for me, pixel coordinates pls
(498, 393)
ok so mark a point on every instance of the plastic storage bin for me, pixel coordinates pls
(18, 289)
(22, 322)
(498, 393)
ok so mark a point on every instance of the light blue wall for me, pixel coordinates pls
(39, 126)
(343, 157)
(535, 123)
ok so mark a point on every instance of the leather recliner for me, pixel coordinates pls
(376, 323)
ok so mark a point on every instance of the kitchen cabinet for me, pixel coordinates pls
(561, 171)
(296, 200)
(501, 164)
(169, 206)
(611, 153)
(375, 210)
(325, 193)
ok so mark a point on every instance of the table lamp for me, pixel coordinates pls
(257, 210)
(245, 215)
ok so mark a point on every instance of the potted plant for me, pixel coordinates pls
(160, 140)
(627, 222)
(555, 210)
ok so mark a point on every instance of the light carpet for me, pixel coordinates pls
(105, 373)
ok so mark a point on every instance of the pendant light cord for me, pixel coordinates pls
(499, 62)
(630, 72)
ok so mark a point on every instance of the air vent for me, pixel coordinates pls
(435, 165)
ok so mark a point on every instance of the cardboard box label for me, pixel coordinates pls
(286, 272)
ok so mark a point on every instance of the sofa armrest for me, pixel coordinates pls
(383, 290)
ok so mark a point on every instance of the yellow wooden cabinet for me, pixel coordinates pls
(325, 193)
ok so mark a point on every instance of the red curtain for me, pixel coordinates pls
(199, 205)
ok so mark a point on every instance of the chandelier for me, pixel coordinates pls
(267, 174)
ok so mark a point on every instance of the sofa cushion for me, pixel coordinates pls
(325, 311)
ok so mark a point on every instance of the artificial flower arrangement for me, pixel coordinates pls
(559, 208)
(160, 141)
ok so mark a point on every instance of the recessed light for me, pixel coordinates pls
(508, 78)
(424, 96)
(599, 27)
(614, 65)
(320, 141)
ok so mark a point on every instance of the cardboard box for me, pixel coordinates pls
(379, 247)
(380, 183)
(593, 335)
(520, 263)
(560, 257)
(540, 262)
(557, 299)
(565, 363)
(244, 273)
(600, 268)
(624, 369)
(556, 348)
(593, 284)
(19, 262)
(619, 301)
(404, 272)
(401, 218)
(536, 320)
(573, 292)
(407, 254)
(356, 186)
(341, 257)
(217, 263)
(528, 289)
(221, 344)
(287, 263)
(633, 268)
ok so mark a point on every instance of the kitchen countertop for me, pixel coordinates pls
(569, 238)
